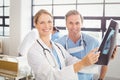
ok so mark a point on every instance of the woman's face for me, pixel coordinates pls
(44, 25)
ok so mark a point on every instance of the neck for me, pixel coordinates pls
(47, 41)
(74, 37)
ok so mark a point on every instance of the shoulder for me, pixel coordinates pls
(34, 46)
(87, 38)
(62, 40)
(63, 37)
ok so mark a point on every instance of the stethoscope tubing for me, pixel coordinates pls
(83, 43)
(44, 49)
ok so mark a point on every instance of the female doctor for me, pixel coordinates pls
(49, 60)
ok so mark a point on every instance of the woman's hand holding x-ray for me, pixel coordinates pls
(91, 57)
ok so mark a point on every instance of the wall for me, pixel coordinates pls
(15, 26)
(20, 24)
(113, 70)
(5, 45)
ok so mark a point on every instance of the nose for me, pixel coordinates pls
(47, 25)
(74, 25)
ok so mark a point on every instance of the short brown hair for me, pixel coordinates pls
(39, 13)
(73, 12)
(55, 29)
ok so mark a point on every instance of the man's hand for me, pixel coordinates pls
(105, 68)
(114, 52)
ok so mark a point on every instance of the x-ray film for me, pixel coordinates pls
(108, 44)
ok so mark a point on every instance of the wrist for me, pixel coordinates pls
(82, 64)
(78, 66)
(100, 79)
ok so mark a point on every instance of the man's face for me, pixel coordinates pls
(74, 24)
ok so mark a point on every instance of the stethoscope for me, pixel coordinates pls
(45, 50)
(81, 46)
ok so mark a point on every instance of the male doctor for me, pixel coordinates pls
(77, 43)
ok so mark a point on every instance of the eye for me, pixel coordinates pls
(49, 21)
(77, 23)
(71, 23)
(41, 22)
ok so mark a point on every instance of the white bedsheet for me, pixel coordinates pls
(23, 68)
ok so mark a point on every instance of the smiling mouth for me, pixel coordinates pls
(46, 30)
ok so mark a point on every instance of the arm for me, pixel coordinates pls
(103, 72)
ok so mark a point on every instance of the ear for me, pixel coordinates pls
(66, 25)
(35, 24)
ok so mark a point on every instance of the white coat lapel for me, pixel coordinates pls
(48, 54)
(60, 54)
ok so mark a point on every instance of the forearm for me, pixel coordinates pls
(103, 72)
(78, 66)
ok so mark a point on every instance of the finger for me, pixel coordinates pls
(93, 58)
(96, 57)
(96, 60)
(95, 49)
(116, 48)
(114, 52)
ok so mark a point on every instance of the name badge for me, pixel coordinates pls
(76, 49)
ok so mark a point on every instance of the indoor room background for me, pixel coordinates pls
(16, 20)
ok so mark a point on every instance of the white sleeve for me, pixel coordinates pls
(94, 69)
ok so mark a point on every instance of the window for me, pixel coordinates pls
(96, 13)
(4, 17)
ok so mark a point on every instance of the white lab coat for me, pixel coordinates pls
(42, 66)
(43, 70)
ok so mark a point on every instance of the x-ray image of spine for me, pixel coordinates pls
(108, 42)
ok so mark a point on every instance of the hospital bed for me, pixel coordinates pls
(14, 68)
